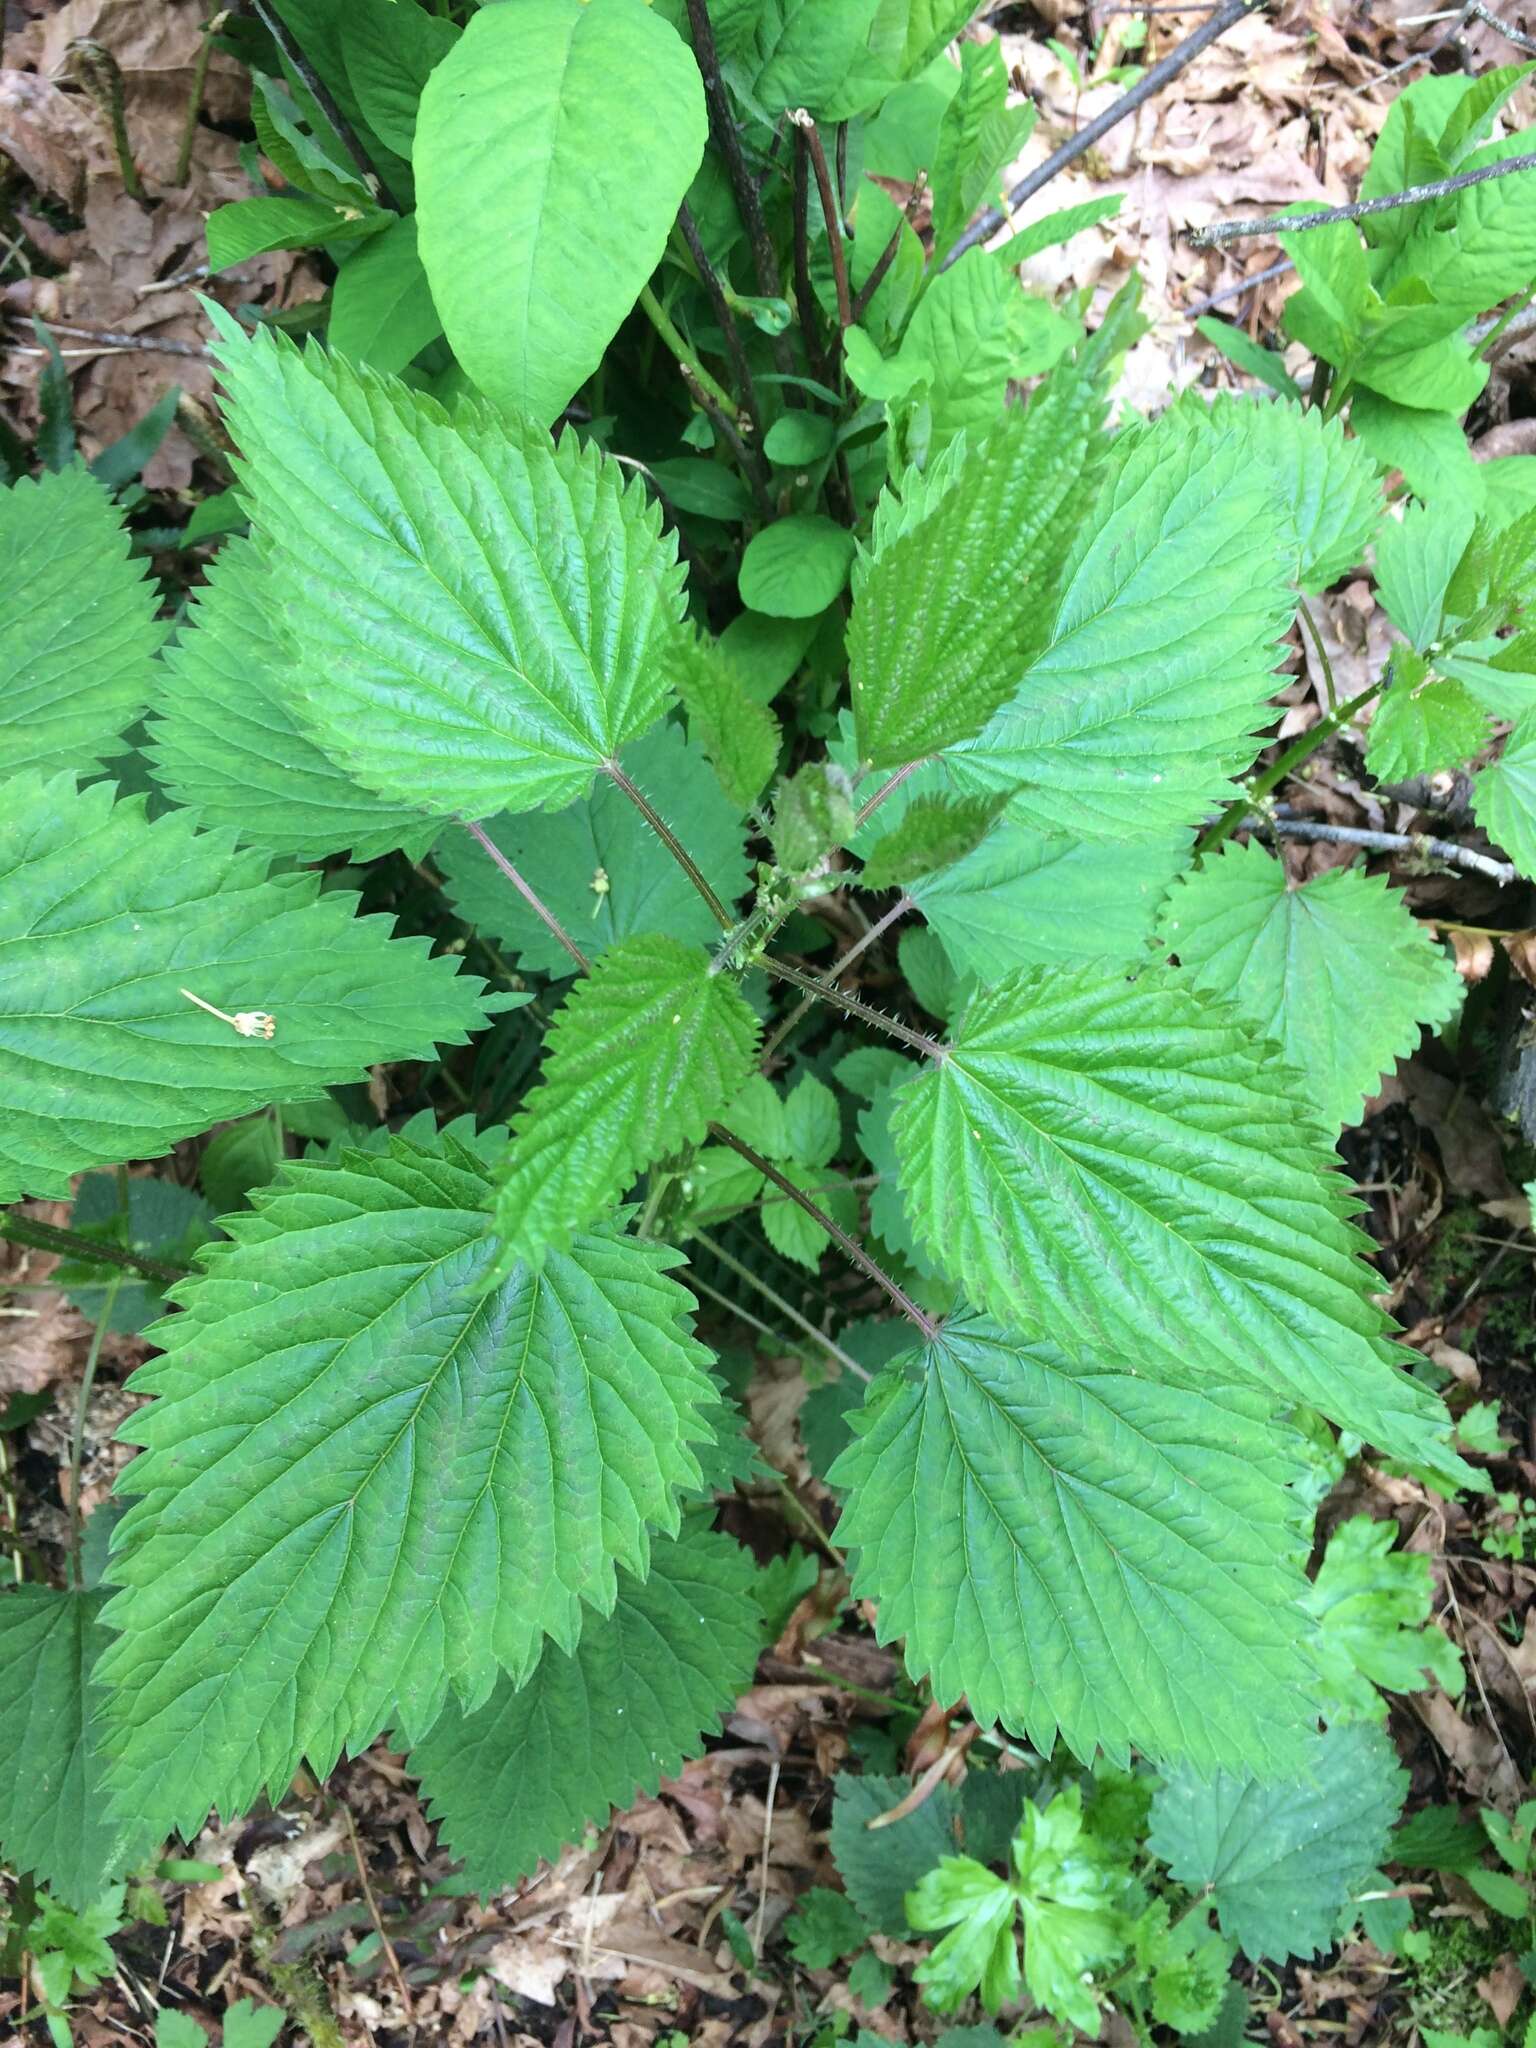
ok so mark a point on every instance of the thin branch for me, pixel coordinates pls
(721, 305)
(786, 1309)
(1418, 843)
(782, 971)
(887, 255)
(1301, 749)
(1228, 15)
(546, 917)
(671, 842)
(850, 1247)
(1362, 209)
(805, 298)
(1478, 12)
(70, 1244)
(781, 1031)
(829, 212)
(373, 1911)
(149, 343)
(321, 93)
(1235, 291)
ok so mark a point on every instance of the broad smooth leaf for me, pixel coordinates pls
(545, 118)
(599, 867)
(391, 48)
(1283, 1858)
(649, 1047)
(958, 589)
(1504, 797)
(370, 1479)
(250, 227)
(796, 567)
(1337, 972)
(106, 918)
(475, 614)
(381, 309)
(1144, 704)
(77, 625)
(225, 738)
(1120, 1164)
(53, 1819)
(514, 1781)
(1078, 1548)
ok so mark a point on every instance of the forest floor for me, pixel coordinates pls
(626, 1939)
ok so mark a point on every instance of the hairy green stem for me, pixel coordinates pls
(71, 1244)
(786, 1309)
(1303, 749)
(918, 1040)
(671, 842)
(195, 96)
(781, 1031)
(887, 789)
(77, 1433)
(850, 1247)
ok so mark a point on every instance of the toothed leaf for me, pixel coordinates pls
(225, 737)
(1122, 1166)
(1336, 972)
(740, 735)
(1142, 704)
(475, 614)
(648, 1048)
(371, 1479)
(525, 1773)
(1282, 1858)
(1504, 797)
(53, 1820)
(936, 832)
(77, 625)
(1424, 723)
(105, 918)
(1077, 1548)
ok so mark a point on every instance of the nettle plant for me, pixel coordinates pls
(430, 1445)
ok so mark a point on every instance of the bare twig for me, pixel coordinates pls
(1418, 843)
(762, 1880)
(829, 212)
(373, 1911)
(324, 99)
(546, 917)
(850, 1247)
(77, 1431)
(149, 343)
(887, 255)
(1235, 291)
(1152, 82)
(1362, 209)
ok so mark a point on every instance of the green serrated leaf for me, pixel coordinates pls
(351, 1422)
(1336, 972)
(935, 645)
(879, 1867)
(382, 310)
(106, 918)
(823, 1928)
(812, 814)
(593, 1727)
(935, 832)
(1504, 797)
(541, 119)
(1077, 1548)
(1160, 651)
(1424, 722)
(1121, 1165)
(979, 136)
(53, 1818)
(77, 625)
(1371, 1603)
(437, 656)
(599, 867)
(649, 1047)
(740, 735)
(225, 737)
(1281, 1857)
